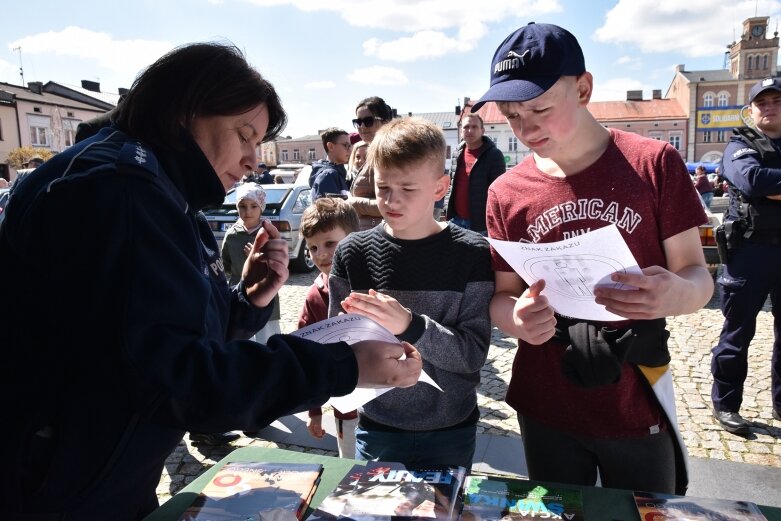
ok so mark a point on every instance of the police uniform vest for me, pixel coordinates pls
(763, 215)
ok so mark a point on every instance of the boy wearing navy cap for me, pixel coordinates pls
(577, 418)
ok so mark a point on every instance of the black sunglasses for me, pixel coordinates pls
(367, 122)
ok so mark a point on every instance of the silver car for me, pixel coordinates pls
(284, 205)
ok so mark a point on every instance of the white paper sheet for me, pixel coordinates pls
(572, 268)
(352, 328)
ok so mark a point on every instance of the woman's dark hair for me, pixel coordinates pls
(195, 80)
(377, 107)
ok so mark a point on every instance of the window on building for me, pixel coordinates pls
(512, 145)
(40, 130)
(69, 137)
(311, 154)
(296, 155)
(750, 63)
(655, 135)
(70, 114)
(38, 137)
(765, 62)
(707, 100)
(68, 132)
(675, 141)
(723, 99)
(1, 129)
(706, 137)
(721, 136)
(284, 156)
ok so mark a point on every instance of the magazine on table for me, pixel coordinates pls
(663, 507)
(384, 490)
(494, 498)
(250, 491)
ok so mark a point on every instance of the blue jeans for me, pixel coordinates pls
(707, 198)
(450, 447)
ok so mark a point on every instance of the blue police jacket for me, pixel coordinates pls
(744, 168)
(119, 332)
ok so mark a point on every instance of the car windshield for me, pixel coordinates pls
(275, 196)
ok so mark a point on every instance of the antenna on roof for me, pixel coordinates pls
(21, 69)
(756, 4)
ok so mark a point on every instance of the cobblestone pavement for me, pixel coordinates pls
(692, 337)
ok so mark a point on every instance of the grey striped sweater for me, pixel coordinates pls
(447, 282)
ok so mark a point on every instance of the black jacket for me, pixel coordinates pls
(119, 332)
(489, 165)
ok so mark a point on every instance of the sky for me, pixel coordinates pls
(324, 56)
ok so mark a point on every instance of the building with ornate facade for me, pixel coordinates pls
(715, 101)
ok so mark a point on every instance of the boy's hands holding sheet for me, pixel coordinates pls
(383, 309)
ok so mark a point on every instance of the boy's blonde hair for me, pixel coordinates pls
(325, 214)
(406, 141)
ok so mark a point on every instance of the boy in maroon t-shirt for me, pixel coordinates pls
(580, 416)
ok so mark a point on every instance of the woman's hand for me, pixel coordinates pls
(265, 270)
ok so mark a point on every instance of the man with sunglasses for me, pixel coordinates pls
(329, 176)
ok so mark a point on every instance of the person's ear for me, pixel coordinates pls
(585, 85)
(443, 183)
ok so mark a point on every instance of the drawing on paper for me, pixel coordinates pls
(574, 276)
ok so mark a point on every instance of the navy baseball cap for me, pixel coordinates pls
(530, 61)
(764, 86)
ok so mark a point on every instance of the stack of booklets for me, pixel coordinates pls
(250, 491)
(383, 491)
(497, 498)
(662, 507)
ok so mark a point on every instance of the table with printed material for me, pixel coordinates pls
(599, 504)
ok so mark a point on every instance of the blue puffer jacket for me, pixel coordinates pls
(119, 332)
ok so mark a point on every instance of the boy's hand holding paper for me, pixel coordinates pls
(573, 269)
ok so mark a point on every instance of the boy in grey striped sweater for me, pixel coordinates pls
(430, 284)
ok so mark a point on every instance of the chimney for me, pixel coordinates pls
(35, 86)
(680, 67)
(634, 95)
(466, 100)
(93, 86)
(657, 93)
(123, 91)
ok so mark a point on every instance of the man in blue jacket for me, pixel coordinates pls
(120, 332)
(752, 167)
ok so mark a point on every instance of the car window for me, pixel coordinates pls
(303, 201)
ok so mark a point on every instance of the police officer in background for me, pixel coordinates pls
(752, 168)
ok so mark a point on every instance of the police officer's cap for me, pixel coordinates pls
(764, 86)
